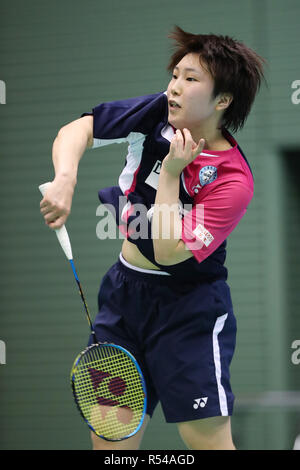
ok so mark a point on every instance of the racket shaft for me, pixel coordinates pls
(64, 241)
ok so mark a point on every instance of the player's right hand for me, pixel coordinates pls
(56, 203)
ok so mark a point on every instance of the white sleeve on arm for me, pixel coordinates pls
(103, 142)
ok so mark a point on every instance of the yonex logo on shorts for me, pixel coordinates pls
(200, 402)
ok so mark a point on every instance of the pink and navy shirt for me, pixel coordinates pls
(215, 189)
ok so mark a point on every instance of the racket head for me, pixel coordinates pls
(109, 391)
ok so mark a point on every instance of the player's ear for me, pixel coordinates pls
(224, 100)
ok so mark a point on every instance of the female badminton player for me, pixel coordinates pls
(185, 186)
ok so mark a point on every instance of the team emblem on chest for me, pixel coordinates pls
(207, 175)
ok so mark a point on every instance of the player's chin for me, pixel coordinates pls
(177, 123)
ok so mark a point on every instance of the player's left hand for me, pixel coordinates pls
(183, 150)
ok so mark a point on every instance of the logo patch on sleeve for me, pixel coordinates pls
(203, 235)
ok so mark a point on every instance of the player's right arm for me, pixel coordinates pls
(108, 123)
(68, 147)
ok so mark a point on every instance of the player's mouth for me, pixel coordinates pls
(174, 105)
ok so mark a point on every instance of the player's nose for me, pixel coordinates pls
(176, 89)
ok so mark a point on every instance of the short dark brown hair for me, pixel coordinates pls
(234, 67)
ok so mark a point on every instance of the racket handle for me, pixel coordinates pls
(61, 233)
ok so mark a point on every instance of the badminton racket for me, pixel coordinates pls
(107, 382)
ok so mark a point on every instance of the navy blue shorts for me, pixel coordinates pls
(183, 337)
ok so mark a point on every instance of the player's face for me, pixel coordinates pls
(191, 102)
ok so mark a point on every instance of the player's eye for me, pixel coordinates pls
(191, 79)
(174, 76)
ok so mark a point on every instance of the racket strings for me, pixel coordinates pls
(109, 391)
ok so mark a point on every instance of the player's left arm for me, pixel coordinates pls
(167, 224)
(169, 247)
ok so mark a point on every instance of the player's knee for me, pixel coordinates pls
(201, 442)
(207, 434)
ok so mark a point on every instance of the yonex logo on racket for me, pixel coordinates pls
(2, 352)
(2, 92)
(117, 387)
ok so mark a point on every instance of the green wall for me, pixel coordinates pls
(60, 58)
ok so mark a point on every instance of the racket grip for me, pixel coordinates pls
(61, 233)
